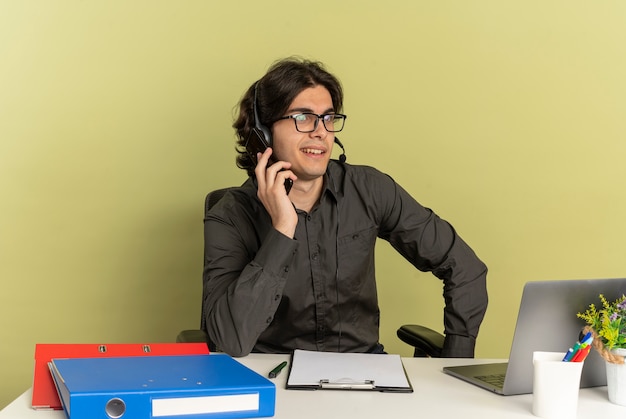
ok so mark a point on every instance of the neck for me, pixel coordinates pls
(305, 194)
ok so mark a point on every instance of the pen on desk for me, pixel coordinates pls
(274, 373)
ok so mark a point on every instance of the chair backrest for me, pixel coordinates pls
(209, 201)
(213, 197)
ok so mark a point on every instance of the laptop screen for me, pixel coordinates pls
(547, 321)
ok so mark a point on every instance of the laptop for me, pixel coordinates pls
(546, 321)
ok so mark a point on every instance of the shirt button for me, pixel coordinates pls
(269, 320)
(308, 218)
(276, 297)
(286, 269)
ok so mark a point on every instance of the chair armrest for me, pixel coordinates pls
(192, 336)
(426, 341)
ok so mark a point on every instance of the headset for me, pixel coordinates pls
(260, 137)
(342, 156)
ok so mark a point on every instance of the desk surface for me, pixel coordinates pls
(434, 393)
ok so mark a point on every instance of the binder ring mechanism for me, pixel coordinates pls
(347, 384)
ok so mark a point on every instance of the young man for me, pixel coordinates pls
(293, 267)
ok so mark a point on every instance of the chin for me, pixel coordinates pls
(311, 174)
(312, 169)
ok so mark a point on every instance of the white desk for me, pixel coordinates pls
(435, 393)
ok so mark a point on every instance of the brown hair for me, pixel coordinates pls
(275, 92)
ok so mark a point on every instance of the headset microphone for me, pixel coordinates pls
(342, 157)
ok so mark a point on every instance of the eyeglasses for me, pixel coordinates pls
(307, 121)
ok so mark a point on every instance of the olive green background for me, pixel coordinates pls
(505, 117)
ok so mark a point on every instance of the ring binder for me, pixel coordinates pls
(347, 385)
(169, 386)
(44, 392)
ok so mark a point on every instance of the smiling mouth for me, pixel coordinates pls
(312, 151)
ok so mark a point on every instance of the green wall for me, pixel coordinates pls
(506, 117)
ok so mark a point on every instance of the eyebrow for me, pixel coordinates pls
(329, 110)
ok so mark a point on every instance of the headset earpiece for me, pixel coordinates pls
(262, 130)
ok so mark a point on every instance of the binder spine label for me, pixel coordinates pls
(205, 404)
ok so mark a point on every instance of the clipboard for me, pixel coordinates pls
(313, 370)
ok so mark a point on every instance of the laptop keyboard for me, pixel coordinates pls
(496, 380)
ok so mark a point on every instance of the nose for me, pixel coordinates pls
(320, 129)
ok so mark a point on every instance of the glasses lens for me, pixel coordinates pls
(305, 122)
(333, 122)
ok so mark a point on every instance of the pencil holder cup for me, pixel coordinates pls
(555, 386)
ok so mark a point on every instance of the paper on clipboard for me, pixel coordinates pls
(347, 371)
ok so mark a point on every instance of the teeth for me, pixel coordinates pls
(312, 151)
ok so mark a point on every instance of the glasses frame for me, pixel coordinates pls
(317, 120)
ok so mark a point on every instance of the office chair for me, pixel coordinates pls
(426, 342)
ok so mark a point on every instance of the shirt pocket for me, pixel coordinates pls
(356, 258)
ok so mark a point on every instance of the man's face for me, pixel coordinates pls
(309, 152)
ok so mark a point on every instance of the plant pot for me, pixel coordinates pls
(616, 379)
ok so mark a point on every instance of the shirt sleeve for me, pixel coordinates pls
(431, 244)
(244, 275)
(464, 277)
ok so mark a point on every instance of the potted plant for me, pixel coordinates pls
(608, 326)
